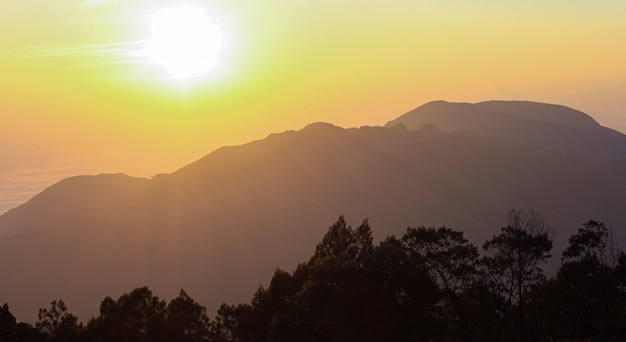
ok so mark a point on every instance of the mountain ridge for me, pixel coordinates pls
(88, 193)
(218, 226)
(555, 127)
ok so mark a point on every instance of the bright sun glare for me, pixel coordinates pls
(184, 41)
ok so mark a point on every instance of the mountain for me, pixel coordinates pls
(73, 199)
(220, 226)
(553, 127)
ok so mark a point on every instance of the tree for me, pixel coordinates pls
(592, 242)
(332, 297)
(586, 299)
(27, 332)
(451, 261)
(278, 306)
(8, 324)
(186, 320)
(411, 290)
(513, 259)
(135, 316)
(57, 324)
(234, 323)
(339, 299)
(342, 245)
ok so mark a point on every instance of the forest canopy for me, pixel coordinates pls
(431, 284)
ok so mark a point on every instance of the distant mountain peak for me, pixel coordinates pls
(516, 109)
(321, 125)
(554, 127)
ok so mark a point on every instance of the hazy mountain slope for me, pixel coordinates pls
(69, 200)
(554, 127)
(219, 227)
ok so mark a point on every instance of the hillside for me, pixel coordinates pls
(219, 226)
(71, 199)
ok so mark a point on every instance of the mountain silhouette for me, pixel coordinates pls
(218, 227)
(553, 127)
(72, 199)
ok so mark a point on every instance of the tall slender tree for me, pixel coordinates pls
(513, 261)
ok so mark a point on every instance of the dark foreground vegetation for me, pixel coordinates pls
(429, 285)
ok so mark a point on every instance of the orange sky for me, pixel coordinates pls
(76, 97)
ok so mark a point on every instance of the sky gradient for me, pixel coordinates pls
(77, 96)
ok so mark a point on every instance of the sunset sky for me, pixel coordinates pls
(78, 94)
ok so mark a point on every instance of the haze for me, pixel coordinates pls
(124, 163)
(75, 97)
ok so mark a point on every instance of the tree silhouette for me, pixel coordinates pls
(335, 296)
(430, 285)
(342, 245)
(8, 324)
(186, 320)
(592, 242)
(452, 262)
(347, 302)
(409, 287)
(586, 299)
(513, 260)
(235, 323)
(57, 324)
(135, 316)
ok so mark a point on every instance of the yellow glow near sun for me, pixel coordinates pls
(185, 41)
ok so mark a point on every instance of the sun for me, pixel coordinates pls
(185, 41)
